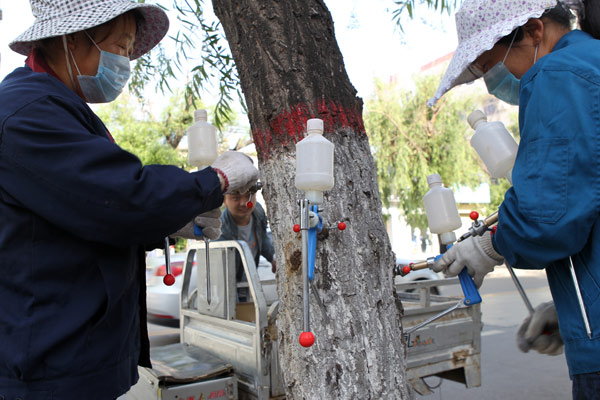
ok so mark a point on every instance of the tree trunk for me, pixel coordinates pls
(291, 69)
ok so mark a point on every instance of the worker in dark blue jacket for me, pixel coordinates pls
(528, 55)
(77, 211)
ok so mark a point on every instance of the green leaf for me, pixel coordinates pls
(411, 141)
(195, 36)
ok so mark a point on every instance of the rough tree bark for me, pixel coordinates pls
(291, 69)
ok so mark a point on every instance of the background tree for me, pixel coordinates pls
(198, 41)
(411, 141)
(404, 8)
(137, 131)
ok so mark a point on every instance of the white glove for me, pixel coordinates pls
(476, 253)
(240, 173)
(540, 331)
(210, 222)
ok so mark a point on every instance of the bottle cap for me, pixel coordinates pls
(475, 117)
(200, 115)
(434, 178)
(313, 125)
(447, 238)
(314, 196)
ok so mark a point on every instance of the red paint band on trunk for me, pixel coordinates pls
(290, 126)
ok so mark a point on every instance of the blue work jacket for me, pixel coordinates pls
(76, 212)
(551, 212)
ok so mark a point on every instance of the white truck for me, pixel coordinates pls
(228, 348)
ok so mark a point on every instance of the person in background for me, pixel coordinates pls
(240, 222)
(77, 212)
(528, 55)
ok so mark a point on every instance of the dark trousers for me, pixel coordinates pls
(586, 386)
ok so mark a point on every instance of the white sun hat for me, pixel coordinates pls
(479, 25)
(62, 17)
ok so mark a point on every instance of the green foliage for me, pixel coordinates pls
(408, 6)
(135, 131)
(181, 245)
(199, 43)
(411, 141)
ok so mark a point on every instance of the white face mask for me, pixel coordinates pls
(108, 83)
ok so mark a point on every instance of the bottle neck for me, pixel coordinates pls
(479, 123)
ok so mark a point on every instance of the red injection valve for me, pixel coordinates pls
(306, 339)
(169, 280)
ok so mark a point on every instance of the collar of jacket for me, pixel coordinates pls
(36, 62)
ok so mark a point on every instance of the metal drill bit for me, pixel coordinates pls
(167, 257)
(520, 289)
(304, 211)
(319, 302)
(580, 299)
(206, 246)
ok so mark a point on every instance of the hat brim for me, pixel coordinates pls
(150, 30)
(469, 50)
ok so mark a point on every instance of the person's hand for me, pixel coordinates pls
(273, 266)
(476, 253)
(210, 222)
(539, 331)
(237, 170)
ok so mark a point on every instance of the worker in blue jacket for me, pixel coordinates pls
(528, 55)
(77, 211)
(247, 222)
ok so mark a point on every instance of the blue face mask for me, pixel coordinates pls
(503, 84)
(108, 83)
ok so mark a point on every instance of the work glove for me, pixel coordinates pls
(237, 170)
(476, 253)
(210, 222)
(539, 331)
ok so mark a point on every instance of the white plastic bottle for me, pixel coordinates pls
(314, 162)
(495, 145)
(441, 210)
(202, 141)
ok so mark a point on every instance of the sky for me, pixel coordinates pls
(372, 46)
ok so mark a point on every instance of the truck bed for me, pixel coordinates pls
(182, 371)
(449, 347)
